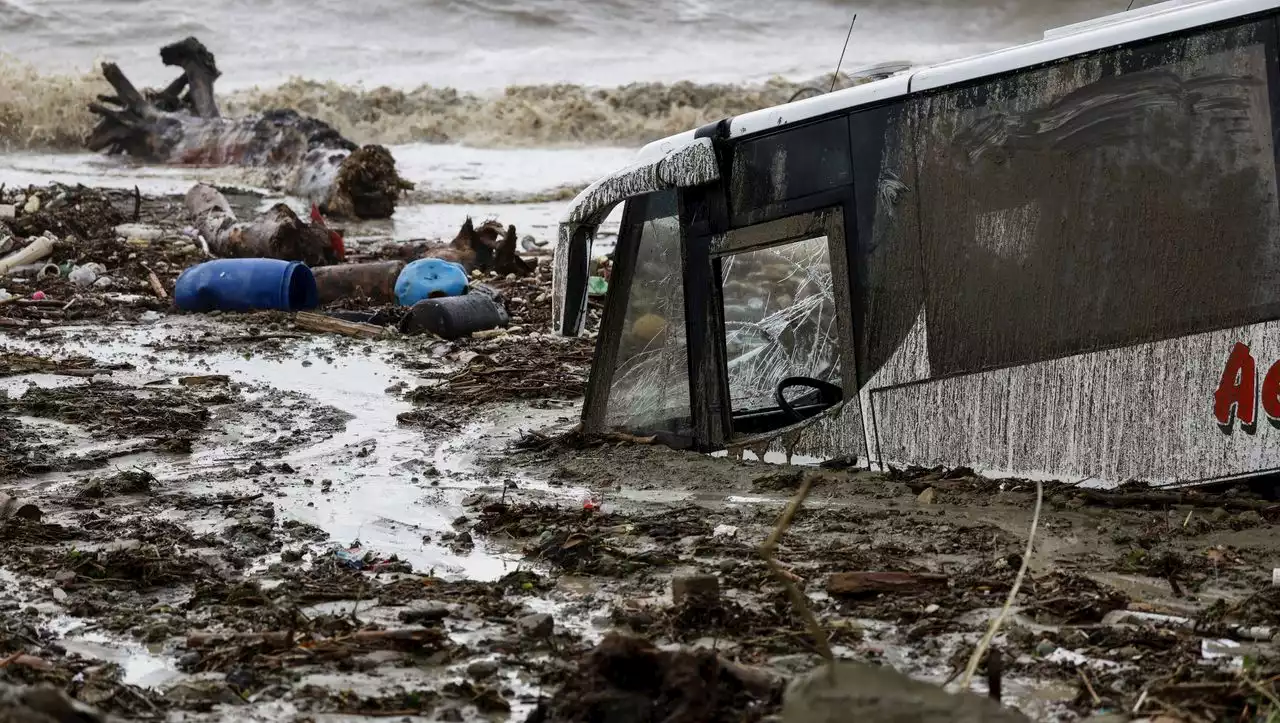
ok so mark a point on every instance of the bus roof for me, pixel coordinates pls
(1078, 39)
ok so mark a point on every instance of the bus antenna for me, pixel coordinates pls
(836, 76)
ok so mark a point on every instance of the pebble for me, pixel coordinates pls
(65, 577)
(538, 625)
(1045, 648)
(189, 660)
(927, 497)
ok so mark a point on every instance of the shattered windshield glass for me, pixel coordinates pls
(650, 390)
(780, 320)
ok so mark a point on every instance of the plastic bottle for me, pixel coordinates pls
(245, 285)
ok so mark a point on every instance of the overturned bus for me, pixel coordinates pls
(1060, 259)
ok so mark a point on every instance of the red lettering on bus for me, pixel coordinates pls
(1237, 394)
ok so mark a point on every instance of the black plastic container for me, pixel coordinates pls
(452, 317)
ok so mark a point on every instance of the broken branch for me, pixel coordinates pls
(1013, 594)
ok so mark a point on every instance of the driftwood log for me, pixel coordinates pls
(182, 125)
(276, 234)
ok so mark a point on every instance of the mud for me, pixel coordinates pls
(241, 519)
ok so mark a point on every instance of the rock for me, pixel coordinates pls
(699, 589)
(65, 577)
(1045, 648)
(241, 679)
(451, 715)
(927, 497)
(291, 555)
(189, 659)
(424, 614)
(1248, 518)
(32, 205)
(538, 625)
(8, 211)
(482, 669)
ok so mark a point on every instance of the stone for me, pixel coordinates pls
(32, 205)
(482, 669)
(538, 625)
(65, 577)
(927, 497)
(699, 589)
(8, 211)
(1045, 648)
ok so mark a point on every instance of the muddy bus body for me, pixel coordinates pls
(1058, 259)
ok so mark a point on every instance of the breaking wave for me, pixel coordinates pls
(44, 111)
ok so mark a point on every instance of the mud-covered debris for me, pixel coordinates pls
(626, 679)
(126, 482)
(856, 691)
(536, 368)
(204, 380)
(111, 410)
(12, 507)
(696, 590)
(12, 364)
(43, 704)
(870, 583)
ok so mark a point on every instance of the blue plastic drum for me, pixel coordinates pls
(246, 285)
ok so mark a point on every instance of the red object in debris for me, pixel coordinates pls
(335, 238)
(38, 296)
(590, 505)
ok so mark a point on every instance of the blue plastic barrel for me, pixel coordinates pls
(246, 285)
(429, 279)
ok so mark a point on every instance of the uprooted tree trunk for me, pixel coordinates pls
(276, 234)
(317, 163)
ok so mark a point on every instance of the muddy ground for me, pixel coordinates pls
(224, 517)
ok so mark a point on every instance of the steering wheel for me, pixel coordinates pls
(829, 393)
